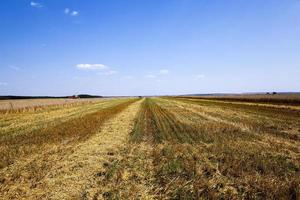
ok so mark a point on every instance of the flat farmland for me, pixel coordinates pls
(22, 104)
(152, 148)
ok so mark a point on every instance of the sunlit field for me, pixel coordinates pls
(152, 148)
(150, 100)
(33, 104)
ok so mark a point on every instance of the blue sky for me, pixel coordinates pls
(148, 47)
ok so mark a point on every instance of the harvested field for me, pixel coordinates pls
(280, 99)
(211, 151)
(33, 104)
(152, 148)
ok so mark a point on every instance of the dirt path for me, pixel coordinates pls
(77, 167)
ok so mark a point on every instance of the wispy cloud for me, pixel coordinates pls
(157, 75)
(199, 76)
(36, 4)
(110, 72)
(74, 13)
(91, 66)
(150, 76)
(164, 71)
(3, 83)
(70, 12)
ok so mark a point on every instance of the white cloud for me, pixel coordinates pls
(110, 72)
(36, 4)
(200, 76)
(70, 12)
(163, 71)
(91, 66)
(3, 84)
(74, 13)
(150, 76)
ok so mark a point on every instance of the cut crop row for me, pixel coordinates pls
(80, 128)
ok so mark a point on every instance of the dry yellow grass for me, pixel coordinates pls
(47, 149)
(73, 168)
(216, 150)
(27, 120)
(157, 148)
(27, 104)
(22, 136)
(277, 99)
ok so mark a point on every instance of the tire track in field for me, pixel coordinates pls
(76, 173)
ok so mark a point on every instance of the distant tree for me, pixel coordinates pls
(274, 92)
(73, 97)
